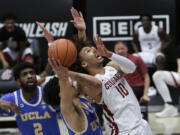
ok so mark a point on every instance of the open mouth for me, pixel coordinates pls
(98, 57)
(30, 82)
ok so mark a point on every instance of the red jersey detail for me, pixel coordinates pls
(136, 78)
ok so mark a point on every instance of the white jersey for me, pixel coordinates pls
(149, 42)
(121, 108)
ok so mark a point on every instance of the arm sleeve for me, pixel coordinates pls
(126, 65)
(10, 98)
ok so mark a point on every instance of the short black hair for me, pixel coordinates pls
(80, 44)
(9, 15)
(147, 15)
(51, 92)
(18, 68)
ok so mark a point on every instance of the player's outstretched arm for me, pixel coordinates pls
(88, 84)
(47, 34)
(9, 106)
(79, 24)
(125, 65)
(65, 87)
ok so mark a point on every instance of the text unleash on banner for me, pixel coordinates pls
(114, 28)
(58, 29)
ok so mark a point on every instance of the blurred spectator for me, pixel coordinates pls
(13, 43)
(139, 80)
(161, 80)
(150, 42)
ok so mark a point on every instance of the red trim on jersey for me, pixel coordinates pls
(108, 111)
(110, 121)
(174, 80)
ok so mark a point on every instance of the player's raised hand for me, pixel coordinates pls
(100, 47)
(60, 70)
(78, 20)
(47, 34)
(9, 106)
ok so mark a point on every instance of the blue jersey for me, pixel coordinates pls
(36, 118)
(93, 125)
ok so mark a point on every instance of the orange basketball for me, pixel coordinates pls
(63, 50)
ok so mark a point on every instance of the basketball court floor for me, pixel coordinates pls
(159, 126)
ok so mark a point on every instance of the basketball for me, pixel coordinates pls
(63, 50)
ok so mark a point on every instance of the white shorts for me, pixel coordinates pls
(149, 58)
(14, 54)
(142, 129)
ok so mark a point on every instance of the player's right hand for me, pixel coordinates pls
(78, 20)
(9, 106)
(47, 34)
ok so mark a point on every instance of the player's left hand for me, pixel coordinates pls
(101, 49)
(145, 98)
(60, 70)
(47, 34)
(78, 20)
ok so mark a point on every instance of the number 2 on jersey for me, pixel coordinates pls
(38, 128)
(122, 90)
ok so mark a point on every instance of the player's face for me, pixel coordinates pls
(90, 57)
(121, 49)
(146, 22)
(9, 24)
(28, 79)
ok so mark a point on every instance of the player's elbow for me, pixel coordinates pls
(131, 68)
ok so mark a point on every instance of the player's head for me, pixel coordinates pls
(121, 48)
(146, 20)
(87, 58)
(51, 92)
(9, 21)
(25, 75)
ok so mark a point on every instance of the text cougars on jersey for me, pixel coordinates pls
(113, 80)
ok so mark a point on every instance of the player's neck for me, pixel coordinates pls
(29, 95)
(147, 30)
(96, 70)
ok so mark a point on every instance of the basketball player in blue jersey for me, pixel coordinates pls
(77, 113)
(33, 115)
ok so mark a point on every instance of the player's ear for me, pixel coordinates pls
(84, 64)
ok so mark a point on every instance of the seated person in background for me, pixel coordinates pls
(13, 43)
(139, 80)
(161, 80)
(33, 116)
(76, 112)
(152, 41)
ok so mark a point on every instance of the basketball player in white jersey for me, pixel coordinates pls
(161, 80)
(152, 42)
(107, 86)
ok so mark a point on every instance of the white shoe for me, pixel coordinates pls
(168, 111)
(152, 91)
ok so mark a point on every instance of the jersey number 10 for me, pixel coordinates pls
(122, 90)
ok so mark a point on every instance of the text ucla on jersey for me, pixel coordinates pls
(36, 118)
